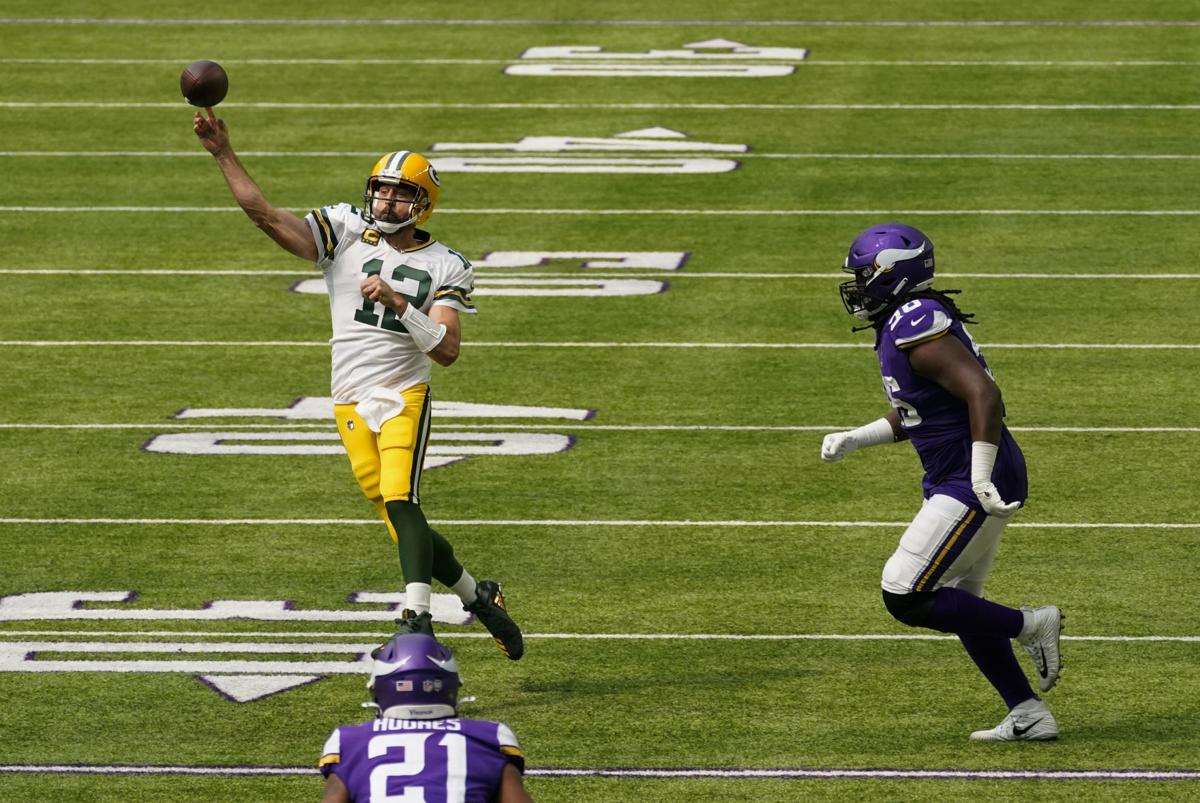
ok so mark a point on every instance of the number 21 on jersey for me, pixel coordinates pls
(412, 747)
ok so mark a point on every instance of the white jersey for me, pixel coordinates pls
(371, 347)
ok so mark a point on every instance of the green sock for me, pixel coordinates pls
(415, 541)
(446, 567)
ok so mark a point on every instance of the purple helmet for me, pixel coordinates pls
(889, 261)
(415, 677)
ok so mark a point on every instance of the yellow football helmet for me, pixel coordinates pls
(405, 168)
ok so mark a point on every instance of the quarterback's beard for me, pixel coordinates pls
(391, 226)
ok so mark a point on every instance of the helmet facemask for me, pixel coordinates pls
(854, 293)
(389, 225)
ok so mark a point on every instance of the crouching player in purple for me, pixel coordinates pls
(418, 748)
(946, 402)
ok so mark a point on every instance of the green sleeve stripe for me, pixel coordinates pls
(323, 225)
(333, 234)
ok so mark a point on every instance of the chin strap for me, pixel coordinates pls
(392, 228)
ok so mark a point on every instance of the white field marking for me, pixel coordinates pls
(370, 634)
(589, 523)
(671, 212)
(741, 155)
(579, 344)
(358, 22)
(518, 427)
(301, 105)
(829, 774)
(817, 62)
(592, 273)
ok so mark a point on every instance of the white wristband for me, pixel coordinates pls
(425, 332)
(876, 433)
(983, 459)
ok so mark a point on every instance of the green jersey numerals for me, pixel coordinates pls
(414, 286)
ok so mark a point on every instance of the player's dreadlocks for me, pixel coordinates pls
(941, 296)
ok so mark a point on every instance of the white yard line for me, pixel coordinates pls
(740, 62)
(489, 62)
(324, 154)
(75, 210)
(584, 523)
(196, 153)
(591, 273)
(371, 634)
(566, 425)
(570, 345)
(731, 773)
(647, 106)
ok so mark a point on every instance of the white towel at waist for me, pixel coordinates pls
(379, 405)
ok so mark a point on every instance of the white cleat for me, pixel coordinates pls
(1040, 637)
(1029, 721)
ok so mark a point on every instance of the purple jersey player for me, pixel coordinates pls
(946, 402)
(419, 749)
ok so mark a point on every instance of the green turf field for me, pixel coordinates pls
(699, 592)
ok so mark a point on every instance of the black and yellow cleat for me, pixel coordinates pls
(409, 622)
(491, 610)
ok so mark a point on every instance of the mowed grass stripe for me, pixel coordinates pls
(550, 21)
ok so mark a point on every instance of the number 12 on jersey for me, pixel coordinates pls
(414, 286)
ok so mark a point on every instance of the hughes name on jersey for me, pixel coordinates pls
(432, 759)
(938, 422)
(371, 347)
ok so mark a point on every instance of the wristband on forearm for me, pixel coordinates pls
(426, 333)
(876, 433)
(983, 460)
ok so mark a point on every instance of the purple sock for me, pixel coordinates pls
(961, 612)
(993, 654)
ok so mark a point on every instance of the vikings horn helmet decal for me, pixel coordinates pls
(888, 262)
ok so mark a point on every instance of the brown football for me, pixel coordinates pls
(204, 83)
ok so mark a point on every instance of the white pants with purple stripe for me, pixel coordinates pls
(947, 544)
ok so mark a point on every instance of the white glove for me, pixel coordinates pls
(990, 499)
(983, 459)
(837, 445)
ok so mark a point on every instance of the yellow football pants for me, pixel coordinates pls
(387, 465)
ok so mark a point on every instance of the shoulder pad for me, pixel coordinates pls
(331, 754)
(918, 321)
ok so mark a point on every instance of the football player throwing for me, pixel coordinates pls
(395, 295)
